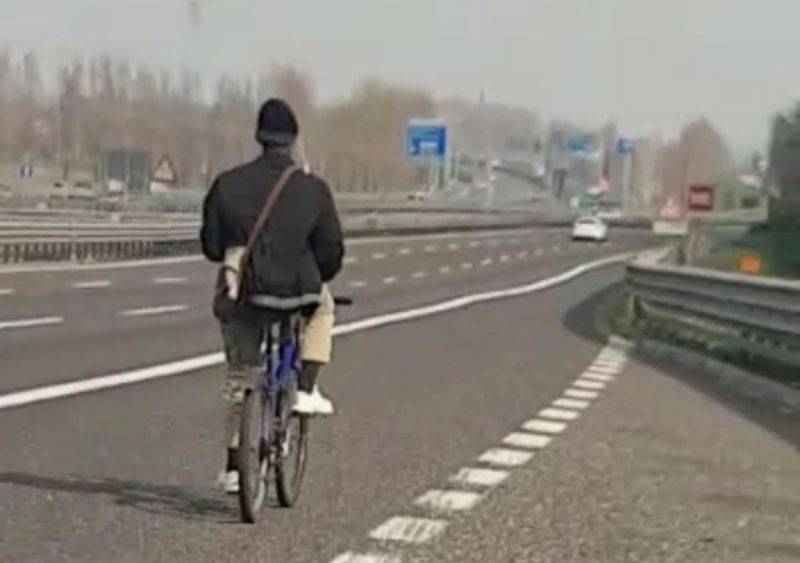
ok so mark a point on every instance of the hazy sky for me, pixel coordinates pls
(650, 64)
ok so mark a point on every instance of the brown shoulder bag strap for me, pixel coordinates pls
(261, 221)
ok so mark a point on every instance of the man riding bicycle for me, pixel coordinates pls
(300, 250)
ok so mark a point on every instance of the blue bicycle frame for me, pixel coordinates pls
(281, 368)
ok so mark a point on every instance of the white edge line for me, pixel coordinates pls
(77, 387)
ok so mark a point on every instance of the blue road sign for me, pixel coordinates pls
(625, 146)
(578, 143)
(426, 137)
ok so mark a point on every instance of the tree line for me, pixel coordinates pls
(89, 106)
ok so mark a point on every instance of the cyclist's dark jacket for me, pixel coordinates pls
(302, 245)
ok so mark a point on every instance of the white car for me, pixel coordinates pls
(590, 228)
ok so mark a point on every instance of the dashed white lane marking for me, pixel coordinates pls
(513, 241)
(379, 256)
(551, 421)
(419, 275)
(581, 394)
(408, 529)
(445, 270)
(449, 501)
(474, 244)
(149, 311)
(527, 441)
(478, 477)
(390, 280)
(522, 254)
(6, 291)
(559, 414)
(350, 260)
(597, 376)
(556, 249)
(607, 370)
(466, 266)
(545, 426)
(453, 246)
(169, 281)
(504, 258)
(91, 284)
(351, 557)
(486, 262)
(30, 323)
(506, 458)
(404, 251)
(588, 384)
(431, 248)
(357, 284)
(576, 404)
(538, 252)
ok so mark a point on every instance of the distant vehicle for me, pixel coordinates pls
(419, 196)
(590, 228)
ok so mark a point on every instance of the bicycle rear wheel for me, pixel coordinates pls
(253, 462)
(291, 464)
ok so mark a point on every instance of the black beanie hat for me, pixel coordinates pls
(277, 124)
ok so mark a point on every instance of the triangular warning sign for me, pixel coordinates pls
(165, 171)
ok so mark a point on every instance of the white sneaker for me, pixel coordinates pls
(229, 481)
(313, 403)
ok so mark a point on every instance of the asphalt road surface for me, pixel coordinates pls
(496, 431)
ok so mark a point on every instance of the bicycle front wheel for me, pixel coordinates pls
(253, 462)
(291, 467)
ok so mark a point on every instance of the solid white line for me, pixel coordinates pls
(351, 557)
(390, 280)
(357, 284)
(419, 275)
(544, 426)
(208, 360)
(408, 529)
(559, 414)
(480, 477)
(104, 266)
(92, 284)
(571, 404)
(587, 384)
(445, 270)
(379, 256)
(169, 281)
(525, 440)
(449, 501)
(159, 310)
(29, 323)
(6, 291)
(506, 458)
(581, 394)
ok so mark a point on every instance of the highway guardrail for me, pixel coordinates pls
(750, 315)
